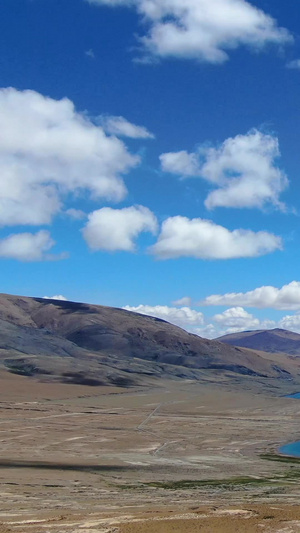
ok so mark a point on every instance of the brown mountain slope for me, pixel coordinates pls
(75, 342)
(273, 341)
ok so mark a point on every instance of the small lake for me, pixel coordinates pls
(292, 449)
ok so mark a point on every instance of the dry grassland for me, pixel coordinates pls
(179, 457)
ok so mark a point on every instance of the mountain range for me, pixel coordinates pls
(71, 342)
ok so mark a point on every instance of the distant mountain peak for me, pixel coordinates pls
(275, 340)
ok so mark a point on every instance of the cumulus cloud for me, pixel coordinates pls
(116, 229)
(183, 316)
(202, 29)
(28, 247)
(203, 239)
(236, 316)
(238, 319)
(48, 150)
(56, 297)
(290, 322)
(243, 170)
(120, 126)
(209, 331)
(285, 298)
(230, 321)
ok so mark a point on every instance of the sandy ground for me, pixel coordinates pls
(250, 519)
(79, 459)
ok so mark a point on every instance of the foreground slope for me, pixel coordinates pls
(101, 345)
(273, 341)
(178, 457)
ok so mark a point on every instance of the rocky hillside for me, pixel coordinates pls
(273, 341)
(81, 343)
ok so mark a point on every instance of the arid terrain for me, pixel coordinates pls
(178, 456)
(115, 422)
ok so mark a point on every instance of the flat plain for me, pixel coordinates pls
(178, 456)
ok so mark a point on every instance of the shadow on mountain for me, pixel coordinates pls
(66, 306)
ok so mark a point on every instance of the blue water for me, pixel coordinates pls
(292, 449)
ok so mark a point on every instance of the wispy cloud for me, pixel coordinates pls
(295, 64)
(121, 127)
(90, 53)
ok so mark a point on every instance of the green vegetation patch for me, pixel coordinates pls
(274, 483)
(193, 484)
(187, 484)
(280, 458)
(235, 483)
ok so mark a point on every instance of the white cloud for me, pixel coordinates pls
(285, 298)
(28, 247)
(235, 316)
(120, 126)
(205, 30)
(230, 321)
(203, 239)
(182, 163)
(185, 301)
(75, 214)
(56, 297)
(238, 319)
(290, 322)
(243, 169)
(116, 229)
(183, 316)
(48, 150)
(295, 64)
(210, 331)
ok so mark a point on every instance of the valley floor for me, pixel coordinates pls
(180, 457)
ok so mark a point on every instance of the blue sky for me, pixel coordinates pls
(149, 155)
